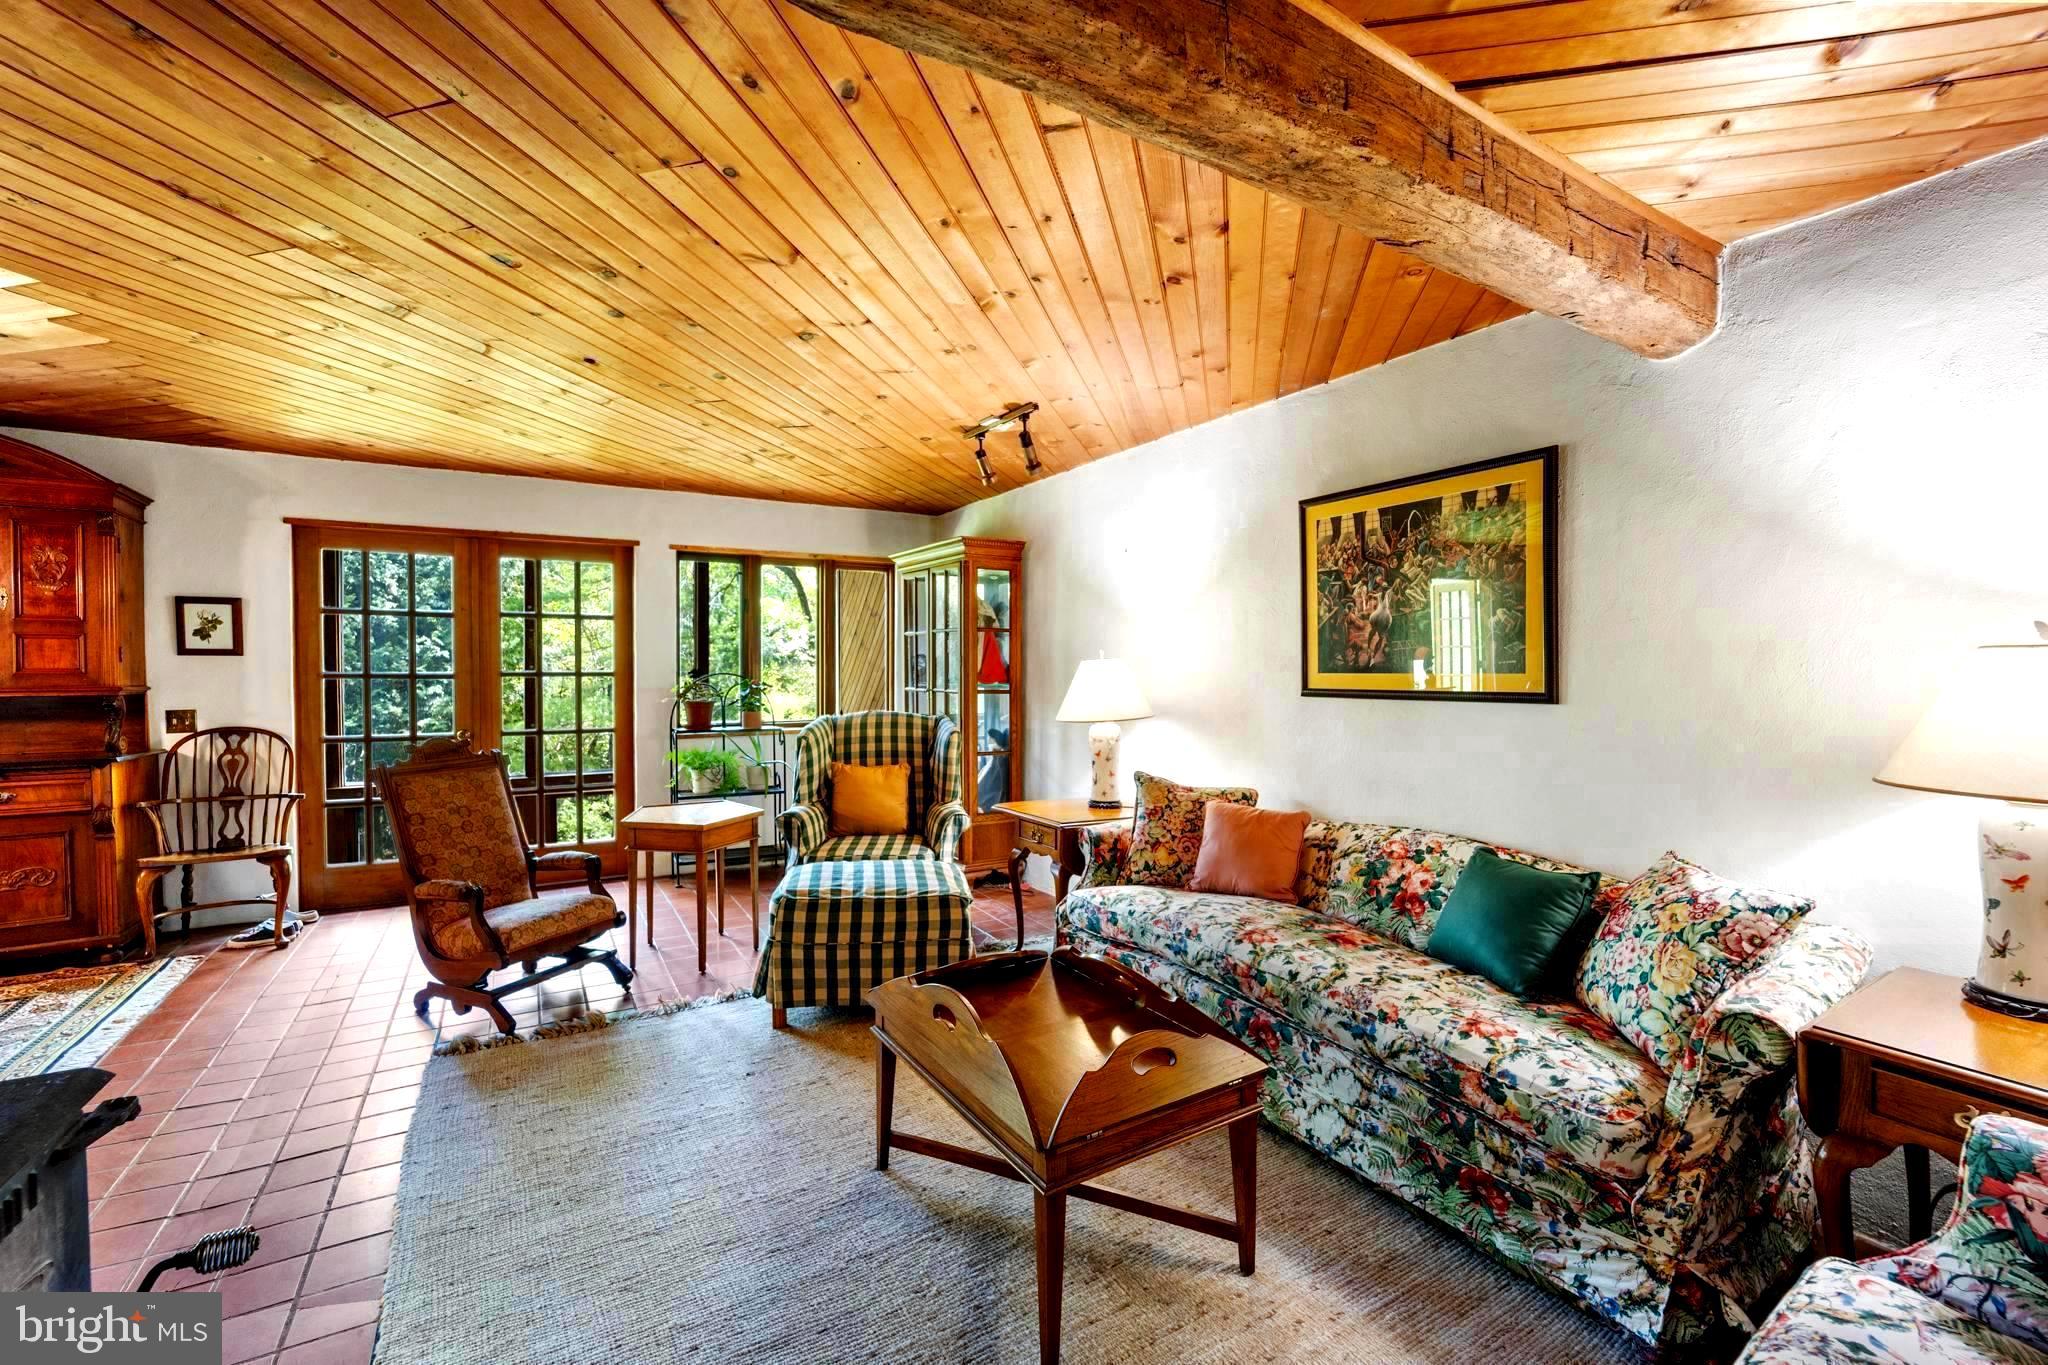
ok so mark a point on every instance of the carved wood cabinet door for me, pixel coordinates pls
(45, 638)
(48, 887)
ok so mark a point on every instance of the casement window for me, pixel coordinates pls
(814, 630)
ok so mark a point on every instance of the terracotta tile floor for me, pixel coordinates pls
(276, 1090)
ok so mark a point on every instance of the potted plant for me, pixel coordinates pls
(755, 773)
(729, 772)
(753, 703)
(706, 768)
(699, 696)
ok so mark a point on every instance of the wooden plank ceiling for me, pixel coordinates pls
(711, 244)
(719, 245)
(1740, 115)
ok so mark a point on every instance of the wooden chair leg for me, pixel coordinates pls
(463, 999)
(500, 1016)
(778, 1017)
(145, 901)
(280, 891)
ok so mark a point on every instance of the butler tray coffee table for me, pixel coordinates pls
(1070, 1067)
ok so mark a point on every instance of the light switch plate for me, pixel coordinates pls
(180, 722)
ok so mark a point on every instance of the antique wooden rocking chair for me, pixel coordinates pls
(228, 797)
(476, 908)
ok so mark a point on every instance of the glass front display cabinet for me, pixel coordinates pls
(959, 610)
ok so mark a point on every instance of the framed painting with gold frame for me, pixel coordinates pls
(1441, 586)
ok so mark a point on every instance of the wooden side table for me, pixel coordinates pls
(704, 829)
(1907, 1062)
(1054, 829)
(1069, 1068)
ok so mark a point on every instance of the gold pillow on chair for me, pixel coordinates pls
(870, 799)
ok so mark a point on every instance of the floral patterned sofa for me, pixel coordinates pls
(1531, 1126)
(1974, 1292)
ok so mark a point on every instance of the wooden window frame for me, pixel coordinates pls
(751, 563)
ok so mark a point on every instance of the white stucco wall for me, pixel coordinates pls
(1772, 547)
(217, 527)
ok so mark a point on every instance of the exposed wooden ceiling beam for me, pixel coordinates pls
(1289, 96)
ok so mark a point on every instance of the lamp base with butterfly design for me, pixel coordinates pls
(2012, 963)
(1102, 741)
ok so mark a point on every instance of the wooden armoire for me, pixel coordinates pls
(74, 724)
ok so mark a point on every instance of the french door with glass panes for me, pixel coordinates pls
(404, 636)
(563, 712)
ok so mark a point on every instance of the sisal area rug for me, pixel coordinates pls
(699, 1187)
(57, 1020)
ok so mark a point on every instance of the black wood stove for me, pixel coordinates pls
(44, 1208)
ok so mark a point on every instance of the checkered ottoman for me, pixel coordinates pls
(838, 928)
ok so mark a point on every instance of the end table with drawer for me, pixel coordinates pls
(1907, 1062)
(1053, 828)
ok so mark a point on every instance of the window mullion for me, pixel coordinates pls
(703, 615)
(823, 645)
(750, 616)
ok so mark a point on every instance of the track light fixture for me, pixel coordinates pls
(1013, 415)
(1031, 461)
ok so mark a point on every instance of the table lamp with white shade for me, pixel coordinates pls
(1986, 735)
(1103, 692)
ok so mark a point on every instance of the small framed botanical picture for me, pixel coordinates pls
(209, 625)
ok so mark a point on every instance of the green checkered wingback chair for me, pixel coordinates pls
(929, 744)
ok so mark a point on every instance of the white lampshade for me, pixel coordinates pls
(1986, 733)
(1103, 689)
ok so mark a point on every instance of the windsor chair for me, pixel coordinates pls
(228, 797)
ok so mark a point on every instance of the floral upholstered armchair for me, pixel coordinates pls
(929, 745)
(476, 907)
(1975, 1291)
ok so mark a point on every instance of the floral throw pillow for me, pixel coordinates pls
(1166, 834)
(1670, 942)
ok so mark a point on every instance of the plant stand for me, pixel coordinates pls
(772, 740)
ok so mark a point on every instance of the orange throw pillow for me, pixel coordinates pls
(870, 798)
(1249, 852)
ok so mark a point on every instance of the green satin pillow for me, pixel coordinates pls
(1510, 923)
